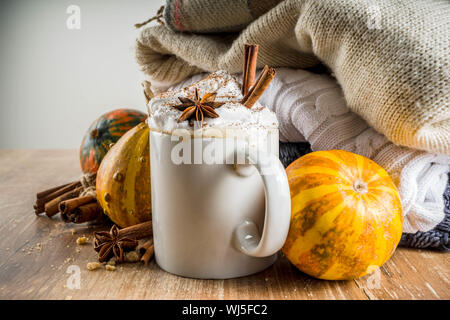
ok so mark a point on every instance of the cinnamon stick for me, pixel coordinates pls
(84, 213)
(260, 86)
(45, 193)
(249, 69)
(44, 197)
(52, 207)
(142, 248)
(68, 205)
(149, 250)
(138, 231)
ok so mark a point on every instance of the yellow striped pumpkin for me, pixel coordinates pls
(123, 179)
(346, 218)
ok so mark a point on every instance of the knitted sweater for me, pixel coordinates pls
(391, 57)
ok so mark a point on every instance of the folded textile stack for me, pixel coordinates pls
(394, 71)
(389, 98)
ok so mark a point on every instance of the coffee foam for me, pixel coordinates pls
(232, 115)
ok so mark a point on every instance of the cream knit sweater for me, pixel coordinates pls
(391, 58)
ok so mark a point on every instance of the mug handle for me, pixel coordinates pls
(278, 206)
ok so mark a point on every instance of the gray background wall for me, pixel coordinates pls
(55, 81)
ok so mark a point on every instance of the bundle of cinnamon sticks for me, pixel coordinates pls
(70, 201)
(252, 90)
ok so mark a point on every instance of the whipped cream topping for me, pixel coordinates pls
(232, 115)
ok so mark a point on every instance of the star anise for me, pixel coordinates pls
(198, 108)
(111, 243)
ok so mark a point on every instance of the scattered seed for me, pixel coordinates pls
(131, 256)
(82, 240)
(110, 268)
(91, 266)
(111, 263)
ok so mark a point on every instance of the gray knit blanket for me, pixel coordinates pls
(437, 238)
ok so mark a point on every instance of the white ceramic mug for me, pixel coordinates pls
(222, 220)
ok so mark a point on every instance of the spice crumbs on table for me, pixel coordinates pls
(111, 263)
(91, 266)
(110, 268)
(131, 256)
(82, 240)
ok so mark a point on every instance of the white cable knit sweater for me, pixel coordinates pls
(312, 108)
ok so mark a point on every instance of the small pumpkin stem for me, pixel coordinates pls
(360, 186)
(95, 133)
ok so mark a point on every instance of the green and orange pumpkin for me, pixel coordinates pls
(103, 133)
(346, 215)
(123, 179)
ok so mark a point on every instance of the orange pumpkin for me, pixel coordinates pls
(123, 179)
(104, 132)
(346, 215)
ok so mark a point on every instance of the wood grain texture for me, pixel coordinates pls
(27, 273)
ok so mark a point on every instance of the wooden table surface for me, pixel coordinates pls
(27, 272)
